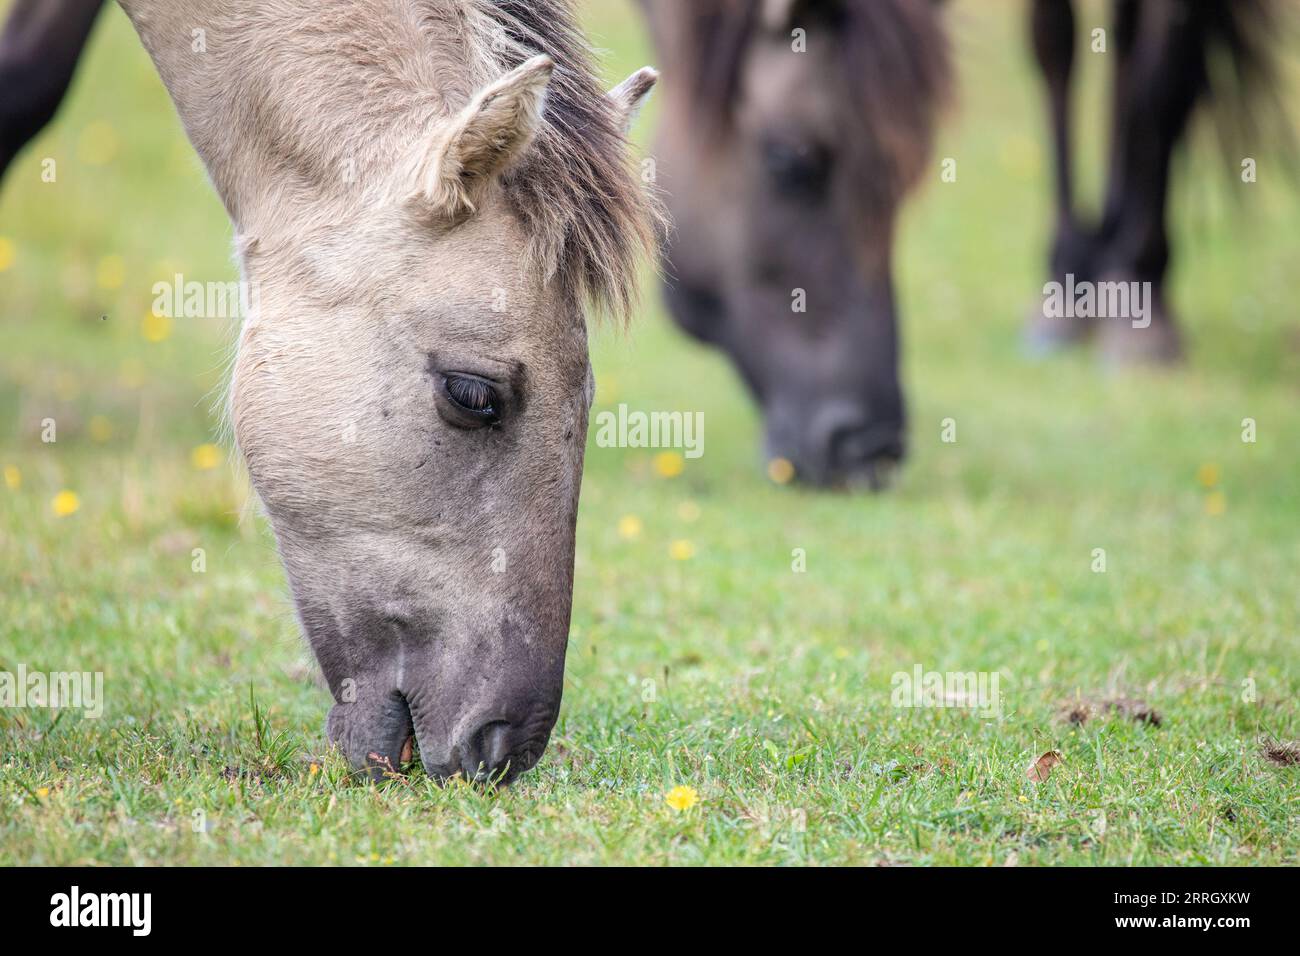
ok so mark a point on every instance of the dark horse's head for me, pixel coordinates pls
(792, 130)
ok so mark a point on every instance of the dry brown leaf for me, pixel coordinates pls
(1041, 768)
(1082, 710)
(1284, 753)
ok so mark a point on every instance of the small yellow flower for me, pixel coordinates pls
(314, 769)
(1023, 798)
(65, 503)
(99, 428)
(205, 457)
(13, 477)
(111, 273)
(681, 798)
(669, 464)
(688, 511)
(1208, 475)
(6, 254)
(1216, 502)
(131, 374)
(42, 792)
(780, 470)
(629, 527)
(681, 550)
(1020, 156)
(155, 328)
(66, 386)
(98, 144)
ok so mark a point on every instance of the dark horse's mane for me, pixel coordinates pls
(893, 62)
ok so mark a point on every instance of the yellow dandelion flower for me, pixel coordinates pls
(1208, 475)
(131, 374)
(1020, 156)
(99, 428)
(1216, 503)
(7, 254)
(688, 511)
(1023, 798)
(66, 386)
(98, 144)
(13, 477)
(205, 457)
(669, 464)
(780, 470)
(155, 328)
(681, 798)
(110, 273)
(42, 792)
(681, 550)
(65, 503)
(314, 769)
(629, 527)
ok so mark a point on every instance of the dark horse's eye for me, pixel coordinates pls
(472, 395)
(797, 169)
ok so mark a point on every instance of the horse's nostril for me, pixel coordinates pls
(853, 447)
(487, 750)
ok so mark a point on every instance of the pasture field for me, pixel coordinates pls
(699, 659)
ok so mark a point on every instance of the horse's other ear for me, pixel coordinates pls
(484, 139)
(780, 16)
(629, 95)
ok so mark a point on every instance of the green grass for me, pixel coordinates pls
(772, 688)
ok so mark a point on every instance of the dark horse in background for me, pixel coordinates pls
(784, 173)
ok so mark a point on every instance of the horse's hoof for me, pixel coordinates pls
(1123, 346)
(1046, 335)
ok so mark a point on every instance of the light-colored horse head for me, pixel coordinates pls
(427, 193)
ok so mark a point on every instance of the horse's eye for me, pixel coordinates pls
(797, 169)
(472, 395)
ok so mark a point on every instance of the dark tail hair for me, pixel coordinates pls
(1239, 68)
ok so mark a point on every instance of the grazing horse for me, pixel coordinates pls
(791, 133)
(427, 195)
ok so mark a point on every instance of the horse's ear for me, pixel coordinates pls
(628, 96)
(780, 16)
(484, 139)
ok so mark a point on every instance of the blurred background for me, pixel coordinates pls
(977, 559)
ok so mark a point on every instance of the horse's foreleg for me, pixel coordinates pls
(1053, 35)
(1158, 81)
(39, 49)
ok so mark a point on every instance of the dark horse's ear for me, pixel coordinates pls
(782, 15)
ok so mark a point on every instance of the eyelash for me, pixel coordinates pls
(473, 395)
